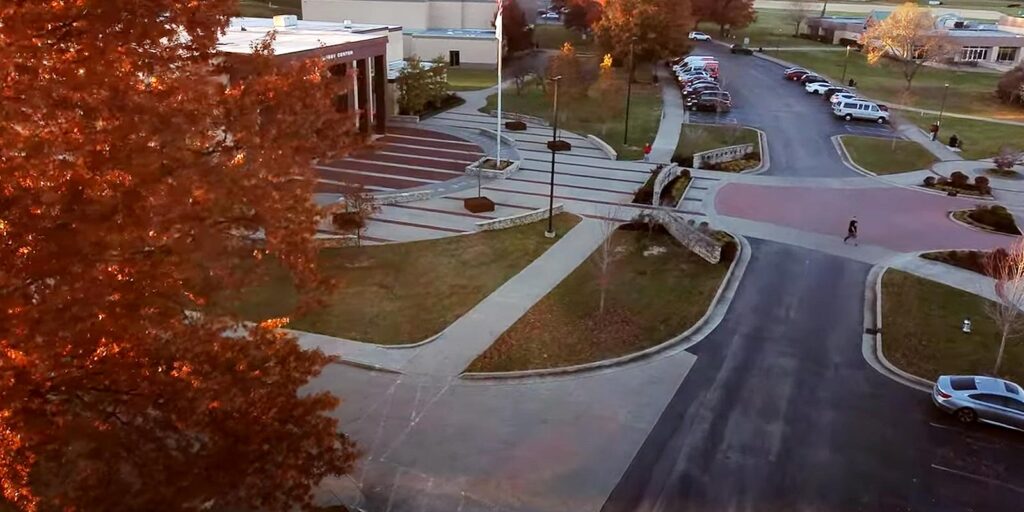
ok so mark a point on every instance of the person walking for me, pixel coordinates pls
(851, 231)
(647, 152)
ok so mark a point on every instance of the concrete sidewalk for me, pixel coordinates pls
(671, 118)
(472, 333)
(940, 150)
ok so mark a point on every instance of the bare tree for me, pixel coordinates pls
(359, 206)
(606, 255)
(1007, 268)
(909, 36)
(798, 12)
(1008, 157)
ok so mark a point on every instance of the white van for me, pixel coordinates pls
(860, 109)
(693, 59)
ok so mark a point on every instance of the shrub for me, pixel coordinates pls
(995, 217)
(1010, 88)
(729, 251)
(682, 160)
(929, 181)
(982, 184)
(645, 194)
(942, 180)
(1007, 158)
(958, 179)
(685, 173)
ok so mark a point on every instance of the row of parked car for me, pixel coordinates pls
(699, 83)
(843, 100)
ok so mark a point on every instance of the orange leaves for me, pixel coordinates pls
(275, 323)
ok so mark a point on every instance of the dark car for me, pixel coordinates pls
(833, 90)
(796, 74)
(740, 49)
(810, 77)
(722, 97)
(696, 90)
(712, 104)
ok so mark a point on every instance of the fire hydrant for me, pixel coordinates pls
(967, 326)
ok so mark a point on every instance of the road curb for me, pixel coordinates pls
(697, 332)
(766, 159)
(974, 227)
(871, 345)
(844, 155)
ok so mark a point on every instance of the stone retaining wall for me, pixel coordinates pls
(474, 168)
(692, 238)
(664, 177)
(387, 198)
(518, 220)
(603, 146)
(720, 155)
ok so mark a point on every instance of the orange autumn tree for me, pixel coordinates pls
(132, 184)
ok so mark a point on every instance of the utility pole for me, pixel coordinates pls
(846, 63)
(824, 7)
(550, 233)
(942, 109)
(629, 90)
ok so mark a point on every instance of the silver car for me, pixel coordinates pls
(972, 398)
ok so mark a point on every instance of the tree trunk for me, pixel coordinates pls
(721, 29)
(1002, 347)
(600, 308)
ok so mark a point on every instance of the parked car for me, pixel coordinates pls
(699, 36)
(711, 104)
(682, 61)
(843, 96)
(722, 96)
(687, 81)
(972, 398)
(697, 89)
(860, 109)
(740, 49)
(811, 77)
(796, 74)
(817, 87)
(550, 16)
(828, 93)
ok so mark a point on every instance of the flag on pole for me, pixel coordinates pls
(497, 20)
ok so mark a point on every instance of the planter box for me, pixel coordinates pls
(515, 126)
(478, 204)
(478, 167)
(559, 145)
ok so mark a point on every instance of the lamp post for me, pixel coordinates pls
(942, 109)
(824, 7)
(846, 63)
(629, 89)
(550, 233)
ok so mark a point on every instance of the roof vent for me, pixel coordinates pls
(347, 23)
(286, 20)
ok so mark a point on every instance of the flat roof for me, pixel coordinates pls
(956, 32)
(243, 32)
(450, 33)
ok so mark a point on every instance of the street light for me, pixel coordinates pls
(823, 8)
(845, 64)
(550, 233)
(629, 89)
(945, 91)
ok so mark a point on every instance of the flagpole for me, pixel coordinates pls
(498, 34)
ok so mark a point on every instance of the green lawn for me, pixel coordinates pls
(596, 115)
(656, 289)
(404, 293)
(921, 322)
(465, 79)
(552, 37)
(969, 92)
(981, 139)
(773, 28)
(269, 9)
(695, 138)
(988, 5)
(887, 156)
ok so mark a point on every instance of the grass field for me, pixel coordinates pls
(921, 323)
(552, 37)
(969, 92)
(405, 293)
(463, 79)
(269, 9)
(981, 139)
(887, 156)
(695, 138)
(656, 290)
(594, 114)
(988, 5)
(773, 28)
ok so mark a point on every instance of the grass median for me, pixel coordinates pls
(468, 79)
(772, 29)
(550, 36)
(656, 289)
(887, 156)
(404, 293)
(591, 114)
(980, 139)
(921, 330)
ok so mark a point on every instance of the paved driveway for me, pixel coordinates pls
(799, 126)
(781, 413)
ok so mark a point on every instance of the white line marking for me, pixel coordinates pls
(474, 153)
(464, 143)
(374, 174)
(404, 166)
(981, 478)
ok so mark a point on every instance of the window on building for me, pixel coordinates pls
(974, 53)
(1007, 54)
(453, 57)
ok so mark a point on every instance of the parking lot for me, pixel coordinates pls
(799, 126)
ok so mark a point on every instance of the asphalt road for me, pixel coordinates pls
(782, 413)
(799, 126)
